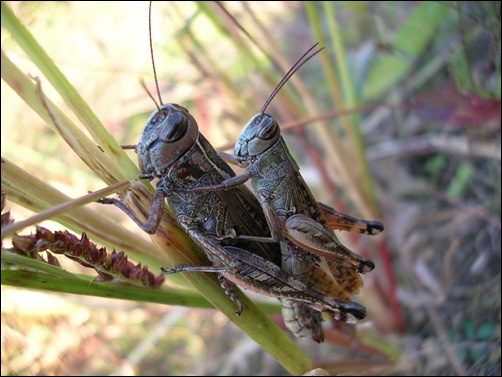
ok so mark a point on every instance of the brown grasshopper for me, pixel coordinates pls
(229, 225)
(303, 226)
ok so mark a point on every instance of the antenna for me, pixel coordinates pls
(151, 51)
(298, 64)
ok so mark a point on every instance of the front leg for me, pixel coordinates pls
(154, 218)
(225, 185)
(231, 159)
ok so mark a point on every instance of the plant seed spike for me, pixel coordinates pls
(298, 64)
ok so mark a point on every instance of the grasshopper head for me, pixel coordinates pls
(169, 132)
(259, 134)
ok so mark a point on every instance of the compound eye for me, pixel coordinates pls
(159, 117)
(269, 129)
(175, 127)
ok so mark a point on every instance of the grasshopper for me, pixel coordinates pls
(303, 227)
(228, 225)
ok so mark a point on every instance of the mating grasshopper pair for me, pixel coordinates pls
(271, 243)
(229, 225)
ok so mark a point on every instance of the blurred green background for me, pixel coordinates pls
(420, 151)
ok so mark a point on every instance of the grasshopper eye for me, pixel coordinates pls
(159, 117)
(269, 129)
(174, 128)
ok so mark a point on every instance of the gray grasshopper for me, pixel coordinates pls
(303, 227)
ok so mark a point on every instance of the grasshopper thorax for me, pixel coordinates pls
(259, 134)
(169, 133)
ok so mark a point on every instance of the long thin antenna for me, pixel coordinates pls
(151, 50)
(142, 82)
(298, 64)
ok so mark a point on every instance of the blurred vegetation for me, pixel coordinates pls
(398, 119)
